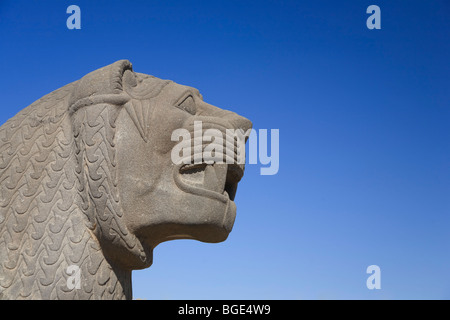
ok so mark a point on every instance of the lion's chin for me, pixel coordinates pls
(213, 182)
(211, 222)
(212, 231)
(200, 214)
(200, 207)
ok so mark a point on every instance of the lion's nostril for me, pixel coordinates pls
(239, 122)
(245, 124)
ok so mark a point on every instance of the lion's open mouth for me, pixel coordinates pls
(220, 178)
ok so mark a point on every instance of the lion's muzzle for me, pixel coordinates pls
(213, 159)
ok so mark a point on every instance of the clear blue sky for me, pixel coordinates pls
(364, 120)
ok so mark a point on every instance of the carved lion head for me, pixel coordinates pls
(88, 167)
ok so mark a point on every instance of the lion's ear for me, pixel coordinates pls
(101, 86)
(117, 84)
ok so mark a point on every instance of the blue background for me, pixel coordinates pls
(364, 133)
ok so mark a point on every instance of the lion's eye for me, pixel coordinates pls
(188, 105)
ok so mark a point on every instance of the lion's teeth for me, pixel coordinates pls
(193, 173)
(211, 177)
(210, 182)
(221, 173)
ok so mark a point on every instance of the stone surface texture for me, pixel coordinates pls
(87, 180)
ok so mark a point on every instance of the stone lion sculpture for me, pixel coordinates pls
(87, 184)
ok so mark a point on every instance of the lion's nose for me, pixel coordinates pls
(239, 122)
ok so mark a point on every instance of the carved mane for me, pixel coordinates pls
(59, 203)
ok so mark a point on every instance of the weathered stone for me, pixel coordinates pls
(87, 184)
